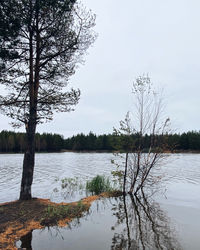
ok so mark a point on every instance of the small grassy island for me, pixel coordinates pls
(17, 218)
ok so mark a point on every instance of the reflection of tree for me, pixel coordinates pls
(26, 241)
(145, 226)
(141, 224)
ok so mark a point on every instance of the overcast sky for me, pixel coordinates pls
(161, 38)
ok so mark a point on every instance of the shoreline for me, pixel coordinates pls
(103, 151)
(114, 151)
(17, 218)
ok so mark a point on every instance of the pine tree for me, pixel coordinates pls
(41, 41)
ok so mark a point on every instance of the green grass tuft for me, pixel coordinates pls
(99, 184)
(56, 213)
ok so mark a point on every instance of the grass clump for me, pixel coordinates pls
(99, 184)
(55, 213)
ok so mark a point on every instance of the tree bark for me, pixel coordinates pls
(29, 156)
(28, 163)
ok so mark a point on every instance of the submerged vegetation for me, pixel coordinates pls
(68, 188)
(72, 184)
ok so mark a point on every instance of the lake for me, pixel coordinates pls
(176, 209)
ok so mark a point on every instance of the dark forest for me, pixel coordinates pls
(48, 142)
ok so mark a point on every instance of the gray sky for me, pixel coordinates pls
(161, 38)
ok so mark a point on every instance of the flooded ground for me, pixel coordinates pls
(116, 223)
(176, 211)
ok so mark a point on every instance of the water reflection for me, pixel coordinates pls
(26, 241)
(145, 225)
(125, 223)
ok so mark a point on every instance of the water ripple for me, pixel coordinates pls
(180, 168)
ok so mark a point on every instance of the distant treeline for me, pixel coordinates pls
(184, 141)
(15, 142)
(47, 142)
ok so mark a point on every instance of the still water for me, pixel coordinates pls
(109, 225)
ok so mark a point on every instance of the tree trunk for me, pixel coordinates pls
(28, 163)
(137, 172)
(29, 156)
(125, 174)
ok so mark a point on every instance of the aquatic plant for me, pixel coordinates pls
(99, 184)
(72, 184)
(68, 187)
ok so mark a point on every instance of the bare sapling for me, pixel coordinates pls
(143, 136)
